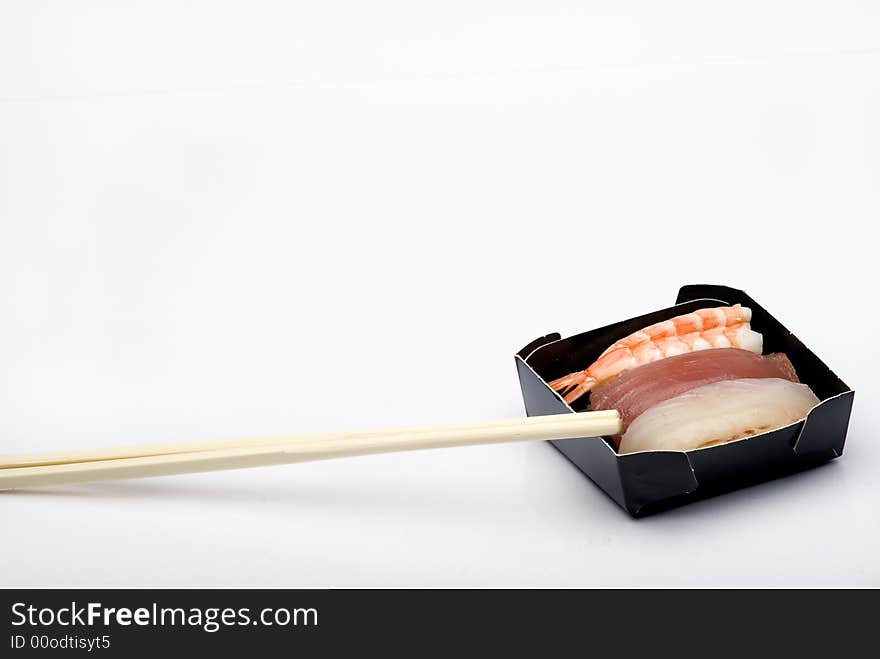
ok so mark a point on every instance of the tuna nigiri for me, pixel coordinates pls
(641, 388)
(717, 413)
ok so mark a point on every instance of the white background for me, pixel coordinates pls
(234, 218)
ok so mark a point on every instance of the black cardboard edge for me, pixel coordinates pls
(604, 471)
(656, 476)
(822, 422)
(537, 343)
(691, 292)
(632, 481)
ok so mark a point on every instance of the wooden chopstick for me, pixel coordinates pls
(138, 451)
(192, 457)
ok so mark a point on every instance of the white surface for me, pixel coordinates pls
(252, 217)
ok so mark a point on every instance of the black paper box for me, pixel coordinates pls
(648, 482)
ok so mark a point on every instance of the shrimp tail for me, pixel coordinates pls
(573, 385)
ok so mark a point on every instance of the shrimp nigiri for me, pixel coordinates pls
(719, 327)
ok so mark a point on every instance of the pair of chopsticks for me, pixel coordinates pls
(41, 469)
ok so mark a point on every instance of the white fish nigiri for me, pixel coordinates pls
(717, 413)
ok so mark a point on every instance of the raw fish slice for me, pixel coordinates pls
(635, 391)
(717, 413)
